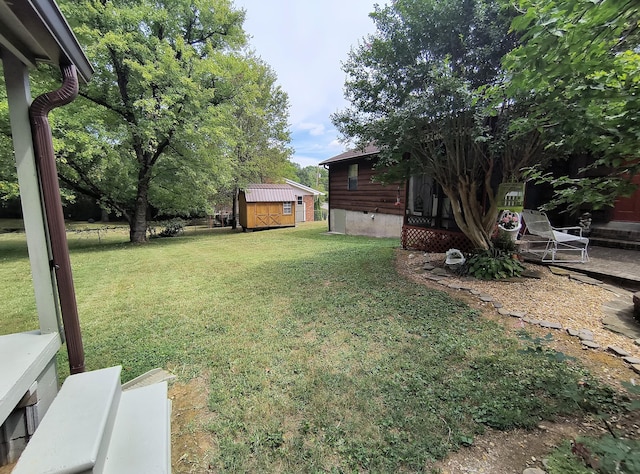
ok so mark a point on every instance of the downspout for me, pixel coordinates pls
(46, 162)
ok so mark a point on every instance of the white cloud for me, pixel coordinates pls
(314, 129)
(305, 41)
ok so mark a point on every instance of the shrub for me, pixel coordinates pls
(493, 264)
(170, 228)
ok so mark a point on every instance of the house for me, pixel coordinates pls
(358, 205)
(305, 201)
(94, 425)
(416, 211)
(267, 206)
(421, 215)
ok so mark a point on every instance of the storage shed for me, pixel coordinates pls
(266, 206)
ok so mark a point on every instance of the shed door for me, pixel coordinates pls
(300, 209)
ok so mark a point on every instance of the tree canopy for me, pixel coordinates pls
(416, 89)
(579, 61)
(160, 124)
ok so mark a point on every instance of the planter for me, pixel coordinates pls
(512, 233)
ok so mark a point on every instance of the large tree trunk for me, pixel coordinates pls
(138, 223)
(469, 215)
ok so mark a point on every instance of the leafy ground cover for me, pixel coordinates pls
(318, 356)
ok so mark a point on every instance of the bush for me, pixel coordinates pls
(170, 228)
(493, 264)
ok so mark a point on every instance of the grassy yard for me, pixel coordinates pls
(320, 357)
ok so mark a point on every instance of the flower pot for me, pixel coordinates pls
(512, 233)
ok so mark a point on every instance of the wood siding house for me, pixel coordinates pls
(358, 205)
(267, 206)
(416, 211)
(419, 213)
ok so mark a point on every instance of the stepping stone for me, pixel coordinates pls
(572, 332)
(434, 277)
(503, 312)
(637, 342)
(486, 299)
(454, 286)
(585, 335)
(518, 314)
(631, 360)
(617, 351)
(537, 274)
(590, 344)
(636, 368)
(559, 271)
(440, 271)
(428, 266)
(497, 304)
(476, 292)
(466, 288)
(531, 321)
(585, 279)
(533, 470)
(547, 324)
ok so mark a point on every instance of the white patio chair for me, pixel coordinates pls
(559, 243)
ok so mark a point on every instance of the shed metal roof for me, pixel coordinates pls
(269, 193)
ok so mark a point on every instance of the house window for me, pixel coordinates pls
(300, 200)
(286, 208)
(353, 177)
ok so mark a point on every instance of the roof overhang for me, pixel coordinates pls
(35, 31)
(351, 155)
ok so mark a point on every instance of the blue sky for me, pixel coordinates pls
(305, 41)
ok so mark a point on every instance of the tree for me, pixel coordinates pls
(579, 63)
(313, 176)
(153, 127)
(8, 176)
(416, 91)
(260, 137)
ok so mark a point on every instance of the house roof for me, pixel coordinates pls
(35, 31)
(303, 188)
(269, 193)
(352, 154)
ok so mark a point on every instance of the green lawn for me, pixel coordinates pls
(320, 357)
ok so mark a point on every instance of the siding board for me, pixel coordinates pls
(369, 196)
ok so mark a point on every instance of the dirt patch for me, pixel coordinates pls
(552, 298)
(191, 442)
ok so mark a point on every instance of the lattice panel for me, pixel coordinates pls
(434, 240)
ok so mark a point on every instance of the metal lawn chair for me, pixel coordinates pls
(560, 243)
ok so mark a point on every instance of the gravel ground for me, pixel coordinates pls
(552, 298)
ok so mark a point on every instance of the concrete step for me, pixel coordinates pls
(74, 434)
(614, 243)
(615, 230)
(141, 439)
(23, 357)
(93, 427)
